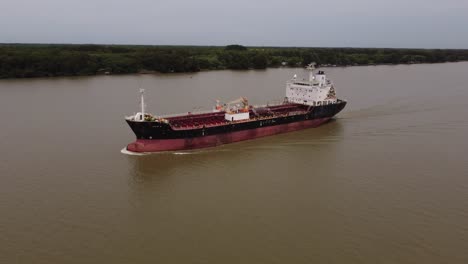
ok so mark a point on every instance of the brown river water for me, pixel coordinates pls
(385, 182)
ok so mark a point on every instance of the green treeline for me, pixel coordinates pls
(37, 60)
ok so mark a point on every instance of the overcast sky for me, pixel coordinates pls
(310, 23)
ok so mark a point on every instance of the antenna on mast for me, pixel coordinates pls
(311, 66)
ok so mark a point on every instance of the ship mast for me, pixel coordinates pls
(142, 93)
(311, 68)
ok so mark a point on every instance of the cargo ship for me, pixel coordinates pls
(308, 103)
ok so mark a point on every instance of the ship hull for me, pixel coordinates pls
(166, 136)
(157, 145)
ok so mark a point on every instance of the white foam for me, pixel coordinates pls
(188, 152)
(127, 152)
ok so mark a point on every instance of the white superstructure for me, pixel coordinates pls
(318, 90)
(236, 116)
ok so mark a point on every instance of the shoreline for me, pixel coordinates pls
(212, 70)
(30, 61)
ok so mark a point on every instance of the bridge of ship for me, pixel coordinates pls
(196, 121)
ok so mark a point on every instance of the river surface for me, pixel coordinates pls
(385, 182)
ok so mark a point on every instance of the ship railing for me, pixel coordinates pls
(185, 113)
(274, 103)
(270, 103)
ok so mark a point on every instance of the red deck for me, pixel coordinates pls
(192, 121)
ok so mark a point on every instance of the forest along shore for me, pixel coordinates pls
(47, 60)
